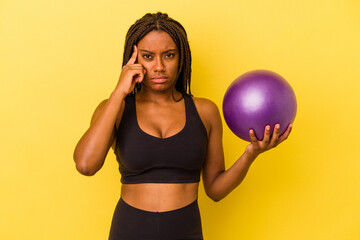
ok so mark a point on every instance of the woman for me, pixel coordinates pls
(163, 138)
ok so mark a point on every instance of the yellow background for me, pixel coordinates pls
(59, 59)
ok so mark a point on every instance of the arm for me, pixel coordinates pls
(91, 150)
(218, 182)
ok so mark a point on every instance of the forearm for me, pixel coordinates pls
(228, 180)
(91, 150)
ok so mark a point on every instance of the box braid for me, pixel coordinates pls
(162, 22)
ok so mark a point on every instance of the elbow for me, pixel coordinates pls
(214, 197)
(84, 169)
(83, 166)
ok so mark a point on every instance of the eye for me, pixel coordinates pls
(170, 55)
(147, 56)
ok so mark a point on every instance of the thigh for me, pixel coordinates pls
(130, 223)
(181, 224)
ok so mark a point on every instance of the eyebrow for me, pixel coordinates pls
(147, 51)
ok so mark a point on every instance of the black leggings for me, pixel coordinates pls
(130, 223)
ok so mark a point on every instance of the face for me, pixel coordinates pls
(159, 55)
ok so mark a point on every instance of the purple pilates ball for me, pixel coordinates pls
(256, 99)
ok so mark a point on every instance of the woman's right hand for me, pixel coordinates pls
(131, 74)
(92, 148)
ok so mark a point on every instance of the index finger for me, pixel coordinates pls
(133, 58)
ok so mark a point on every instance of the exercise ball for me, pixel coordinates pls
(256, 99)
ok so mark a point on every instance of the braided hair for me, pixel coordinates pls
(162, 22)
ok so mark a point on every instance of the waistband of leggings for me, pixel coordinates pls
(194, 204)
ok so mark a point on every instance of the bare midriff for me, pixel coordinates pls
(159, 197)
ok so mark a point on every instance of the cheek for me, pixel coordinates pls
(175, 66)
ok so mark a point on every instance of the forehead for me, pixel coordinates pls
(157, 41)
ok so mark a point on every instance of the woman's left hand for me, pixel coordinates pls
(256, 147)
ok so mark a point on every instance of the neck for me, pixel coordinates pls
(168, 96)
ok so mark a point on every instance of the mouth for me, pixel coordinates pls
(159, 79)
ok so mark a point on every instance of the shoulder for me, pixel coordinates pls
(100, 106)
(208, 111)
(98, 110)
(205, 105)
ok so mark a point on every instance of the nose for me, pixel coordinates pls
(159, 65)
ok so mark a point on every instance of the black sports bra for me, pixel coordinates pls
(144, 158)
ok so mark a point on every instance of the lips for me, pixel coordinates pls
(159, 79)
